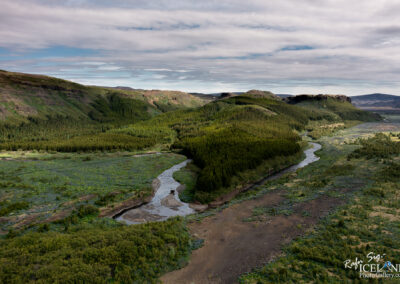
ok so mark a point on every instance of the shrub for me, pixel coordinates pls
(7, 208)
(128, 254)
(87, 210)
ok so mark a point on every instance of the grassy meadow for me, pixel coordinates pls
(49, 184)
(50, 227)
(361, 171)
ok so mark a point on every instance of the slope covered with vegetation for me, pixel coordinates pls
(50, 202)
(95, 254)
(225, 137)
(333, 112)
(39, 112)
(336, 107)
(232, 135)
(365, 175)
(25, 95)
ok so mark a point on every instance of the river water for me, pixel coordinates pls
(310, 158)
(166, 202)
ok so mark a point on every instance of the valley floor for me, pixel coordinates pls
(52, 230)
(51, 186)
(234, 246)
(255, 227)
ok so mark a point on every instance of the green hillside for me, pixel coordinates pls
(233, 138)
(334, 107)
(36, 109)
(25, 95)
(51, 203)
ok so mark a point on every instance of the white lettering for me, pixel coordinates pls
(376, 257)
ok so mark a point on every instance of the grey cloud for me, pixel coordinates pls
(390, 30)
(224, 42)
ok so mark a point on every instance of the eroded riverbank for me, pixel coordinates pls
(166, 203)
(233, 246)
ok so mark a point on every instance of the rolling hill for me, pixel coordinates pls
(40, 112)
(25, 96)
(239, 135)
(231, 136)
(377, 102)
(52, 203)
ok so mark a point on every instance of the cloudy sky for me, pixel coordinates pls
(287, 46)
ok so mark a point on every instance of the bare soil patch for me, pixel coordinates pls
(233, 247)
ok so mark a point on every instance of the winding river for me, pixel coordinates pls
(310, 158)
(166, 202)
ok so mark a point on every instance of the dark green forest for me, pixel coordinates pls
(234, 134)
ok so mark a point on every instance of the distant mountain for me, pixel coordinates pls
(317, 98)
(219, 94)
(224, 95)
(124, 88)
(377, 102)
(207, 97)
(376, 96)
(284, 95)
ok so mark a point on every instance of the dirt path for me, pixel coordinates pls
(233, 247)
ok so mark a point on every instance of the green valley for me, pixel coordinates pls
(75, 157)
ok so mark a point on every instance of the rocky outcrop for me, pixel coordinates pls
(227, 95)
(171, 202)
(251, 93)
(262, 94)
(301, 98)
(198, 207)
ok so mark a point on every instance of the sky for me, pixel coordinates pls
(346, 47)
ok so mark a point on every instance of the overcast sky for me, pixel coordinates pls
(285, 46)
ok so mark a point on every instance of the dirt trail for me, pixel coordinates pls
(233, 247)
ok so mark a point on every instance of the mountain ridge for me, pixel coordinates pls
(377, 102)
(30, 95)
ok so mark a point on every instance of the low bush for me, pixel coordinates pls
(123, 254)
(6, 207)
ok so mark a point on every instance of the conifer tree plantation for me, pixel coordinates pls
(74, 158)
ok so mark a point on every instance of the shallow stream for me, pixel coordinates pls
(166, 202)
